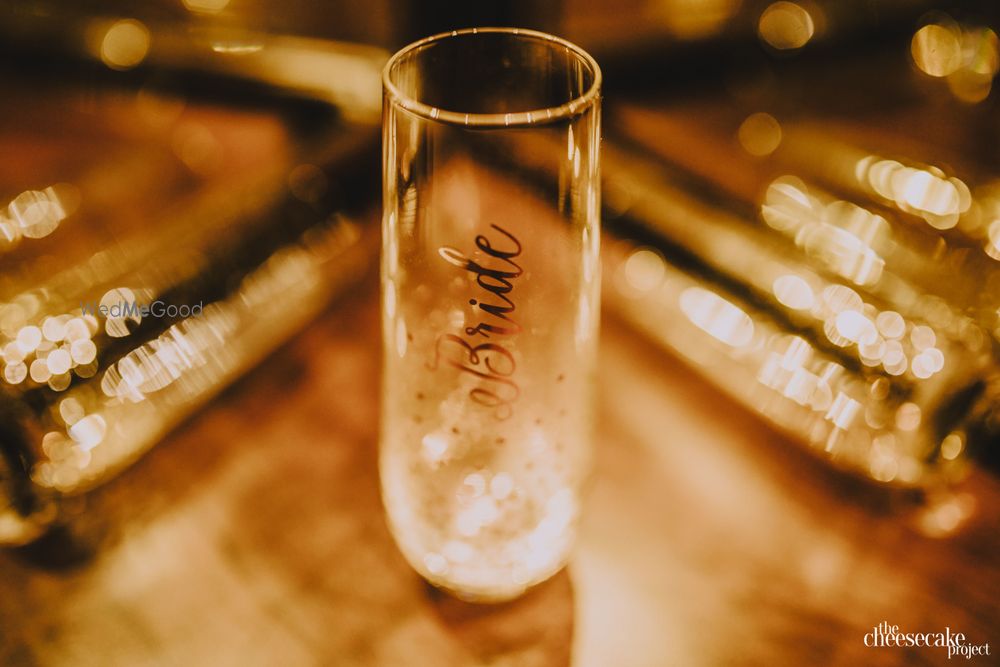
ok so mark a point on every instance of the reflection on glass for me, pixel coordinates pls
(911, 233)
(878, 417)
(101, 425)
(103, 357)
(838, 234)
(793, 331)
(154, 245)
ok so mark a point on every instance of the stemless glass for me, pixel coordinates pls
(490, 305)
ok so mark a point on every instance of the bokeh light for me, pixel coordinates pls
(786, 25)
(125, 44)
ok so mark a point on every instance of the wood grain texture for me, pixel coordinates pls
(254, 536)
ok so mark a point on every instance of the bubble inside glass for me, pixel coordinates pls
(490, 305)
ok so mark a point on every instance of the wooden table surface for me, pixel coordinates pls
(255, 536)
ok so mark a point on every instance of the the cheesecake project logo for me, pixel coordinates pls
(885, 635)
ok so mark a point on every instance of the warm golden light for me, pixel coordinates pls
(15, 372)
(835, 299)
(843, 411)
(923, 191)
(89, 431)
(206, 6)
(855, 327)
(759, 134)
(157, 109)
(968, 57)
(60, 345)
(945, 515)
(690, 19)
(435, 447)
(970, 87)
(981, 51)
(644, 269)
(922, 337)
(35, 214)
(28, 338)
(981, 60)
(891, 324)
(852, 415)
(716, 316)
(104, 423)
(71, 410)
(125, 44)
(786, 25)
(9, 233)
(237, 48)
(198, 148)
(952, 446)
(937, 49)
(836, 233)
(787, 204)
(794, 292)
(39, 371)
(992, 246)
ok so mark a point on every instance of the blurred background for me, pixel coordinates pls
(799, 390)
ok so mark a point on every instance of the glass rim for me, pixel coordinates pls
(568, 109)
